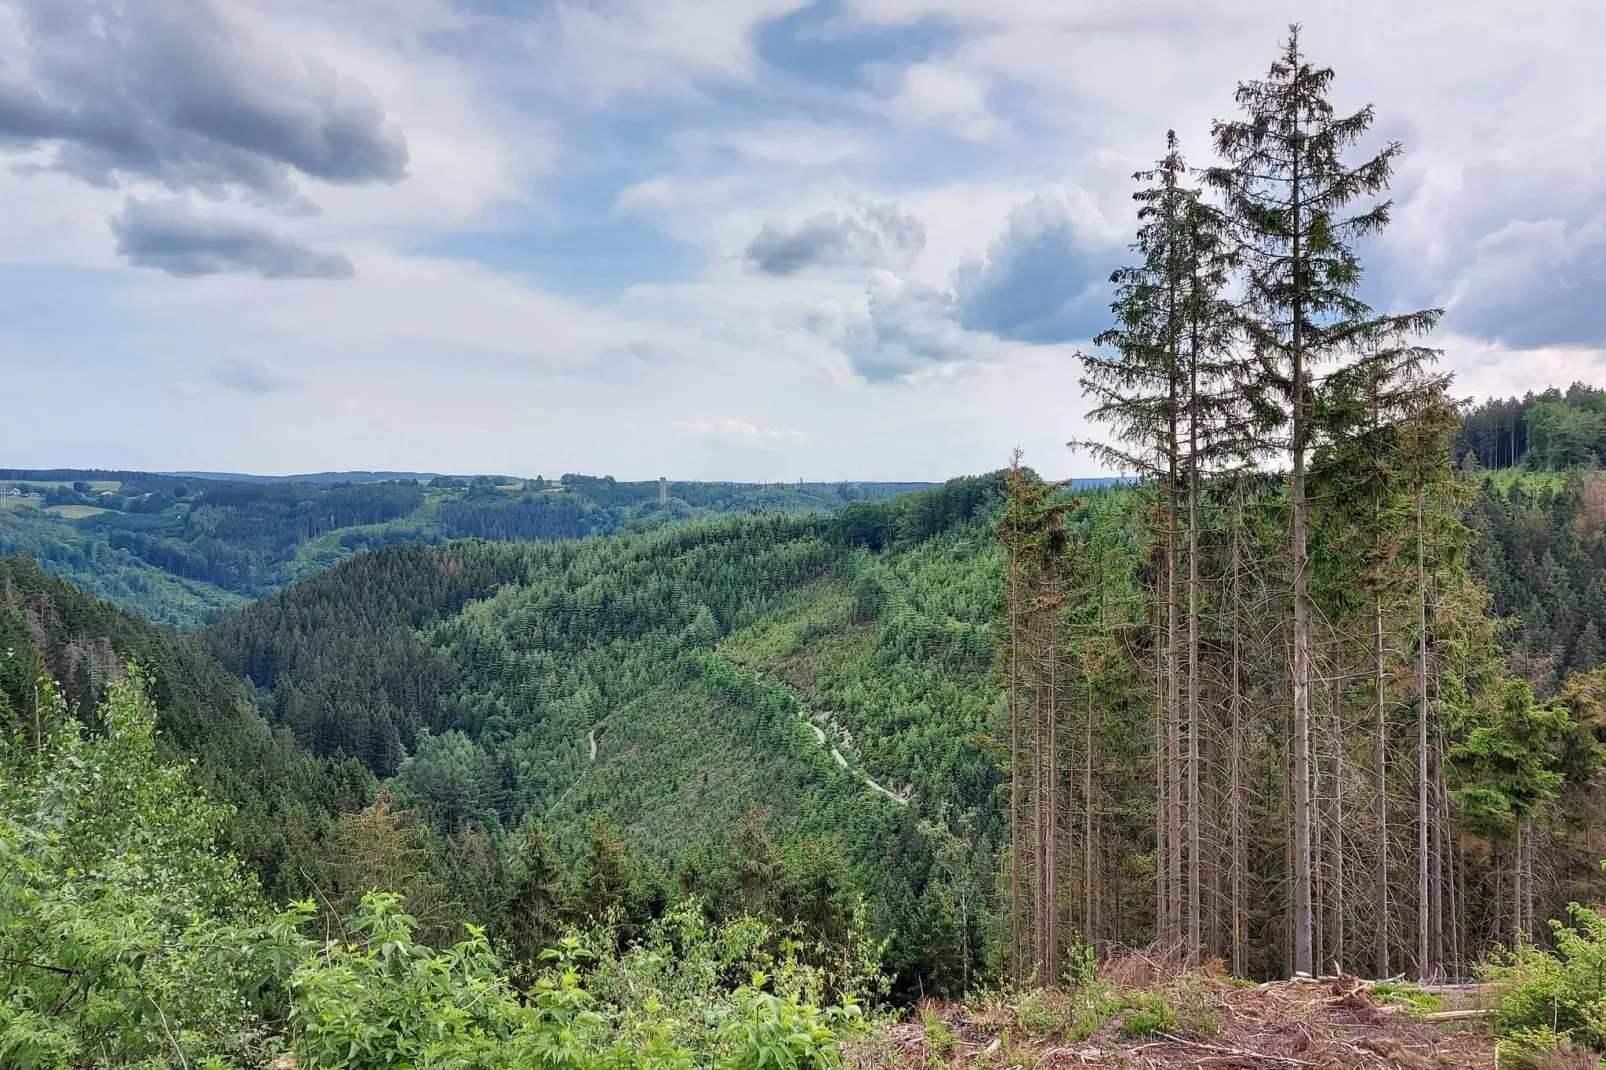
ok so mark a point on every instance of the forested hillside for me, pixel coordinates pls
(185, 550)
(809, 679)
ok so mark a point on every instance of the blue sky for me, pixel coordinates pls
(747, 239)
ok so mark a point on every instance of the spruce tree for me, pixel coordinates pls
(1138, 382)
(1287, 189)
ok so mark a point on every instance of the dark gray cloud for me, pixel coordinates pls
(1045, 279)
(173, 91)
(1535, 283)
(868, 235)
(171, 237)
(246, 377)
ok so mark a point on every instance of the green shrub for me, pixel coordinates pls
(126, 938)
(941, 1042)
(1037, 1016)
(1198, 1009)
(775, 1033)
(1563, 991)
(1092, 1007)
(1541, 1048)
(1148, 1014)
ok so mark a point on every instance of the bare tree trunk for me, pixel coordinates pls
(1161, 847)
(1338, 823)
(1039, 818)
(1421, 745)
(1052, 835)
(1528, 878)
(1318, 858)
(1235, 699)
(1195, 858)
(1381, 829)
(1016, 889)
(1173, 745)
(1087, 823)
(1303, 961)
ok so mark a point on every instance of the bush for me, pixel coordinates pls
(126, 937)
(1037, 1016)
(1092, 1006)
(941, 1041)
(1148, 1014)
(1198, 1009)
(1563, 991)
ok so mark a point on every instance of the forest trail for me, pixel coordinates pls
(591, 738)
(812, 719)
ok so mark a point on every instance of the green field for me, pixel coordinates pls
(74, 512)
(94, 484)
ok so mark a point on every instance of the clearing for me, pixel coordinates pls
(1142, 1016)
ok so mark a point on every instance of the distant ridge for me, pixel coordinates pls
(310, 477)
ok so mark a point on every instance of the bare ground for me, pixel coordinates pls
(1327, 1024)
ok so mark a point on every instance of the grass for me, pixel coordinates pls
(1407, 997)
(74, 512)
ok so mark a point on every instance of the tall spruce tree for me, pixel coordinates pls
(1138, 381)
(1287, 189)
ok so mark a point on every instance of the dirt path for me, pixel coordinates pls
(811, 719)
(591, 738)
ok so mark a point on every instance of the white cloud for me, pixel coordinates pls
(741, 432)
(946, 96)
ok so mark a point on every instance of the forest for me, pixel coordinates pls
(555, 774)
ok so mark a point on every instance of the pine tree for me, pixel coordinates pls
(1286, 186)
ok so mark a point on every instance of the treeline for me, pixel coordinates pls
(1554, 429)
(1539, 550)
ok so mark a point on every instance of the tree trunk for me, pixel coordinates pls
(1338, 823)
(1303, 962)
(1173, 696)
(1195, 858)
(1381, 828)
(1161, 847)
(1236, 774)
(1421, 745)
(1016, 888)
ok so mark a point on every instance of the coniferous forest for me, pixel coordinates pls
(584, 774)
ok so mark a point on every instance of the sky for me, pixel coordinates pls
(707, 239)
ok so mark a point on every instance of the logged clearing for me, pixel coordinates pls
(1138, 1017)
